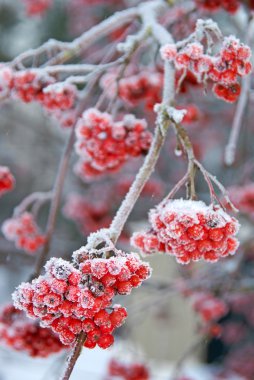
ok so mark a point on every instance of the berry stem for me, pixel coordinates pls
(74, 355)
(187, 145)
(57, 192)
(69, 50)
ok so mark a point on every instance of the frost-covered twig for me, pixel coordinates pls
(32, 199)
(57, 192)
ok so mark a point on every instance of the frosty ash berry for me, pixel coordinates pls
(190, 231)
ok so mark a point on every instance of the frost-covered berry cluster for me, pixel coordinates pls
(243, 198)
(32, 85)
(35, 85)
(128, 371)
(223, 69)
(208, 307)
(22, 334)
(37, 7)
(7, 181)
(230, 6)
(145, 86)
(190, 231)
(90, 216)
(71, 301)
(105, 145)
(23, 230)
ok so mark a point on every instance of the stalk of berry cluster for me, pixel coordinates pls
(57, 192)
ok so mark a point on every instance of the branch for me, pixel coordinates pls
(162, 124)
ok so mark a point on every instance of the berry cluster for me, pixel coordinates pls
(243, 198)
(23, 230)
(104, 145)
(37, 7)
(89, 216)
(70, 300)
(34, 85)
(190, 231)
(230, 6)
(6, 79)
(144, 86)
(7, 181)
(37, 86)
(131, 371)
(208, 307)
(223, 69)
(22, 334)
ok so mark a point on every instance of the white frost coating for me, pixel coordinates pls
(203, 26)
(182, 207)
(176, 115)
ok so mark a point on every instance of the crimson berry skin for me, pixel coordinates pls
(191, 231)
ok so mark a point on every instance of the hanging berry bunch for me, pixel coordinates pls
(144, 86)
(222, 70)
(128, 371)
(230, 6)
(7, 181)
(190, 231)
(104, 145)
(71, 301)
(24, 232)
(37, 7)
(21, 334)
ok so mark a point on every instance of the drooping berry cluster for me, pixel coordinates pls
(223, 70)
(144, 86)
(22, 334)
(128, 371)
(190, 231)
(6, 80)
(230, 6)
(90, 216)
(70, 300)
(104, 145)
(37, 7)
(7, 181)
(23, 230)
(208, 307)
(243, 198)
(32, 85)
